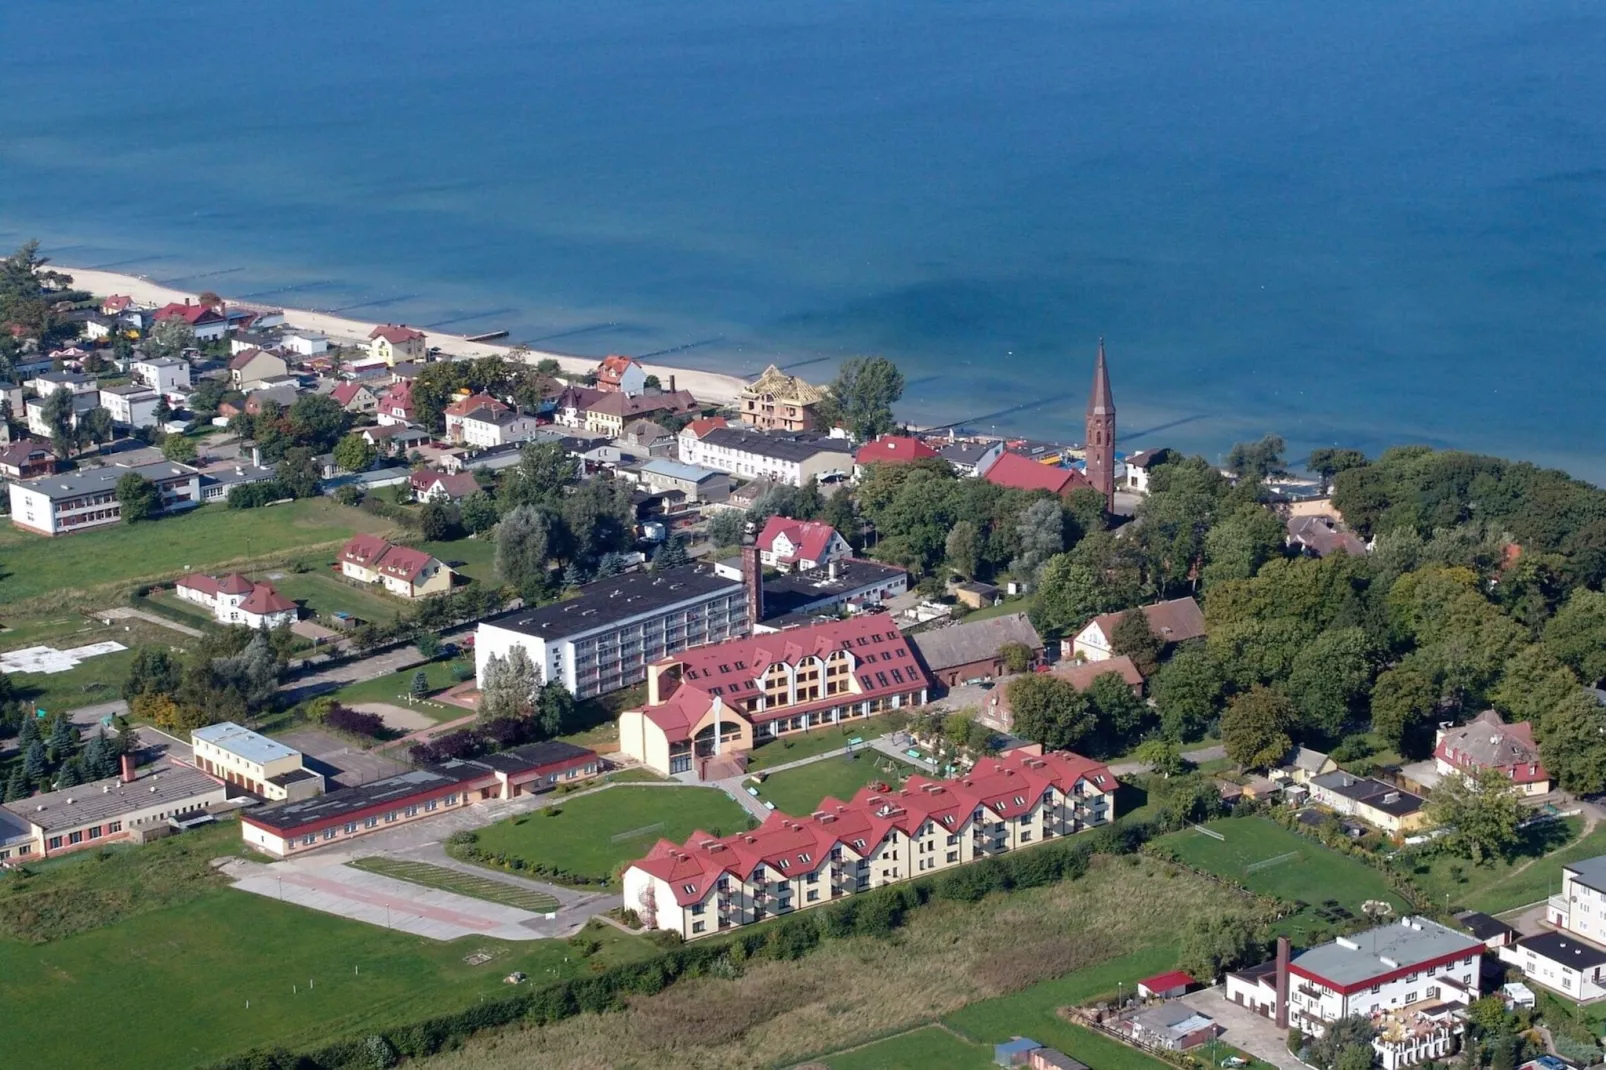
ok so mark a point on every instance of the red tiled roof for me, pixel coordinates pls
(364, 550)
(613, 368)
(264, 599)
(1175, 621)
(116, 303)
(1082, 674)
(810, 538)
(1021, 473)
(204, 584)
(1488, 742)
(1165, 982)
(345, 393)
(234, 583)
(456, 486)
(191, 314)
(894, 449)
(404, 563)
(395, 334)
(467, 405)
(701, 426)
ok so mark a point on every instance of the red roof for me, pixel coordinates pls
(894, 449)
(234, 583)
(459, 485)
(1021, 473)
(403, 562)
(395, 334)
(365, 550)
(264, 599)
(701, 426)
(612, 370)
(191, 314)
(810, 539)
(799, 845)
(116, 303)
(475, 401)
(1165, 982)
(205, 584)
(346, 393)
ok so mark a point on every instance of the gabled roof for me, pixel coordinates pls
(473, 403)
(21, 451)
(625, 406)
(346, 393)
(1175, 621)
(1082, 674)
(579, 398)
(613, 368)
(246, 356)
(973, 641)
(1488, 742)
(1021, 473)
(894, 449)
(395, 334)
(1323, 535)
(404, 563)
(234, 583)
(263, 599)
(810, 539)
(194, 315)
(457, 486)
(365, 550)
(702, 425)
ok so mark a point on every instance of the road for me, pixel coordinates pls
(1196, 756)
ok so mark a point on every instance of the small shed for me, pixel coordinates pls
(977, 595)
(1165, 985)
(1014, 1052)
(1517, 994)
(1494, 933)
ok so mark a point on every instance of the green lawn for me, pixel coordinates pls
(1464, 883)
(97, 680)
(992, 1021)
(323, 593)
(928, 1048)
(1539, 880)
(799, 791)
(591, 835)
(396, 686)
(1300, 869)
(208, 539)
(474, 558)
(231, 970)
(452, 880)
(800, 745)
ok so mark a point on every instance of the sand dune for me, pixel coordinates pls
(705, 386)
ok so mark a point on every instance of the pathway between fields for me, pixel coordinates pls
(130, 613)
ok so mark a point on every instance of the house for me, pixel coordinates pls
(355, 397)
(393, 342)
(570, 407)
(483, 406)
(1405, 964)
(649, 439)
(394, 440)
(218, 481)
(1494, 933)
(1015, 1051)
(237, 600)
(892, 449)
(776, 401)
(1176, 621)
(116, 305)
(253, 763)
(621, 375)
(208, 323)
(38, 422)
(1165, 985)
(972, 650)
(605, 636)
(788, 544)
(1380, 805)
(701, 426)
(1488, 742)
(1322, 535)
(48, 383)
(283, 395)
(1137, 466)
(487, 427)
(98, 327)
(971, 459)
(610, 412)
(1170, 1027)
(244, 340)
(997, 712)
(131, 406)
(1580, 905)
(1304, 764)
(114, 810)
(304, 343)
(720, 701)
(395, 405)
(1017, 472)
(710, 884)
(291, 828)
(252, 366)
(400, 570)
(162, 374)
(697, 484)
(780, 457)
(442, 486)
(27, 458)
(69, 502)
(1560, 962)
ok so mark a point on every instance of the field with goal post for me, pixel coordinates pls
(1270, 860)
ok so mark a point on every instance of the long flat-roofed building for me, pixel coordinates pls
(249, 760)
(69, 502)
(605, 637)
(114, 809)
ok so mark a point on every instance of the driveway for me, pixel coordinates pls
(321, 681)
(1243, 1028)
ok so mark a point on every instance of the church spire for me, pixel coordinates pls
(1100, 442)
(1100, 402)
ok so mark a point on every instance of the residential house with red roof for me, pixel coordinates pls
(116, 305)
(608, 414)
(479, 406)
(718, 702)
(621, 375)
(431, 486)
(1488, 742)
(395, 405)
(702, 425)
(892, 449)
(355, 397)
(234, 599)
(1022, 473)
(391, 342)
(881, 836)
(1176, 621)
(789, 544)
(400, 570)
(208, 323)
(26, 458)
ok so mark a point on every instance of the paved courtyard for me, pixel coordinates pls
(1245, 1029)
(332, 756)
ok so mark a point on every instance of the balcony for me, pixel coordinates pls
(1559, 905)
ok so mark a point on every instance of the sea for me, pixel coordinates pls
(1357, 224)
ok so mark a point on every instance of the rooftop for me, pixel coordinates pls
(1412, 940)
(85, 804)
(977, 640)
(777, 446)
(90, 480)
(604, 602)
(794, 592)
(1369, 792)
(1590, 872)
(1565, 949)
(689, 473)
(244, 743)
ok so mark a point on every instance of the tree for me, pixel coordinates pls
(1257, 460)
(524, 541)
(1239, 543)
(17, 786)
(726, 528)
(1574, 744)
(429, 645)
(170, 338)
(317, 421)
(1577, 634)
(35, 764)
(1329, 679)
(1134, 638)
(1480, 813)
(1214, 944)
(61, 417)
(1352, 1034)
(1122, 715)
(1017, 657)
(574, 575)
(672, 554)
(180, 448)
(1070, 592)
(510, 686)
(420, 684)
(62, 743)
(1049, 710)
(544, 471)
(153, 672)
(1254, 730)
(355, 454)
(862, 396)
(1404, 700)
(477, 513)
(437, 522)
(299, 472)
(163, 411)
(1187, 690)
(556, 710)
(96, 426)
(1162, 756)
(962, 549)
(1328, 462)
(598, 517)
(1041, 532)
(138, 498)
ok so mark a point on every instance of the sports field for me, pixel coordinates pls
(1270, 860)
(590, 835)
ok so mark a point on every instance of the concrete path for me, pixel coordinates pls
(1196, 756)
(884, 745)
(130, 613)
(435, 729)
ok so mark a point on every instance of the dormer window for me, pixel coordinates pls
(784, 864)
(691, 889)
(1020, 800)
(803, 857)
(859, 844)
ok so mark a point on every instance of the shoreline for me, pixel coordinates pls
(706, 386)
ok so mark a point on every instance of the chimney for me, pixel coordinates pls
(1282, 982)
(671, 384)
(753, 580)
(830, 570)
(127, 765)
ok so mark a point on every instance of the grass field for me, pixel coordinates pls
(97, 679)
(926, 1048)
(452, 880)
(474, 558)
(1442, 875)
(799, 791)
(322, 593)
(1296, 868)
(208, 539)
(795, 748)
(396, 686)
(591, 835)
(1538, 880)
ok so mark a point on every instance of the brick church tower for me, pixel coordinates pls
(1100, 433)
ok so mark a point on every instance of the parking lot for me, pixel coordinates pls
(345, 765)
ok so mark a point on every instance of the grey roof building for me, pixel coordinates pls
(1351, 959)
(973, 643)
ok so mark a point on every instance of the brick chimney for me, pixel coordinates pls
(671, 384)
(753, 580)
(127, 764)
(1282, 982)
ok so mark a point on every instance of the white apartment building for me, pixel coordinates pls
(486, 427)
(1580, 906)
(69, 502)
(131, 406)
(605, 638)
(39, 425)
(164, 375)
(1561, 962)
(784, 457)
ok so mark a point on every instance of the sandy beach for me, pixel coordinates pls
(705, 386)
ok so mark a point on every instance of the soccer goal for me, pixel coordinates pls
(1267, 863)
(1209, 832)
(636, 834)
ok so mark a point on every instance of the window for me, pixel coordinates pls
(697, 926)
(1376, 989)
(432, 804)
(75, 837)
(308, 840)
(329, 833)
(351, 827)
(53, 842)
(390, 817)
(814, 895)
(697, 908)
(370, 822)
(115, 826)
(690, 889)
(1410, 997)
(94, 833)
(953, 856)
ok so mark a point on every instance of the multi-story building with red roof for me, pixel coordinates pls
(399, 569)
(393, 342)
(893, 449)
(1022, 473)
(708, 707)
(621, 375)
(789, 544)
(881, 836)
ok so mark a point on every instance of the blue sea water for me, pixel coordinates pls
(1356, 224)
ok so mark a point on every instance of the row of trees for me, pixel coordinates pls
(54, 754)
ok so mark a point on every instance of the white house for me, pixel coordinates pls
(33, 411)
(392, 342)
(801, 544)
(792, 458)
(1561, 962)
(486, 427)
(162, 374)
(237, 600)
(304, 343)
(131, 406)
(1174, 622)
(1580, 905)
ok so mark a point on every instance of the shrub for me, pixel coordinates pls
(345, 719)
